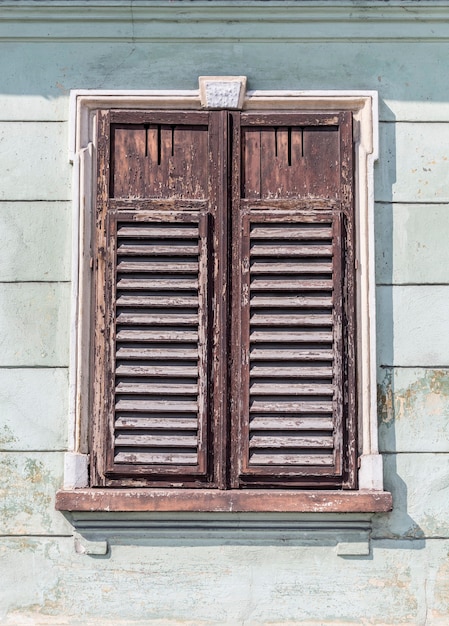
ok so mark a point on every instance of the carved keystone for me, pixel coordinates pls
(222, 92)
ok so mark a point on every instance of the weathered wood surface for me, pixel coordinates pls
(217, 500)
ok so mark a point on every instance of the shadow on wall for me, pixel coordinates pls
(397, 524)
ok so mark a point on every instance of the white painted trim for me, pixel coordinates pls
(363, 104)
(75, 470)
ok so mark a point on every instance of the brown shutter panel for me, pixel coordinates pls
(153, 301)
(292, 302)
(161, 322)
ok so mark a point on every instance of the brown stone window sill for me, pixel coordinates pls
(140, 500)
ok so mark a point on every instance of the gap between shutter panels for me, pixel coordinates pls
(158, 423)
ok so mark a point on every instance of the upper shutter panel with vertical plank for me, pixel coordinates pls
(164, 156)
(293, 301)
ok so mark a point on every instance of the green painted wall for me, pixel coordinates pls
(245, 578)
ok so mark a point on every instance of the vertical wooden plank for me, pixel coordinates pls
(241, 346)
(218, 198)
(168, 186)
(152, 181)
(204, 336)
(349, 246)
(129, 148)
(109, 337)
(189, 161)
(338, 347)
(251, 163)
(321, 161)
(99, 365)
(245, 152)
(269, 163)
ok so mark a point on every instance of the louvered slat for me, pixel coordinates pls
(292, 333)
(160, 340)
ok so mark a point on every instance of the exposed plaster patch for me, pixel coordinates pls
(432, 390)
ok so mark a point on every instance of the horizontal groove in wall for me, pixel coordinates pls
(35, 282)
(33, 451)
(415, 367)
(413, 452)
(429, 284)
(241, 39)
(34, 367)
(412, 203)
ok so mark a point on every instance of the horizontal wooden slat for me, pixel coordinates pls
(260, 336)
(159, 249)
(291, 232)
(281, 284)
(158, 301)
(157, 231)
(288, 441)
(263, 458)
(157, 319)
(156, 441)
(158, 283)
(291, 301)
(290, 354)
(156, 423)
(144, 336)
(156, 458)
(178, 118)
(262, 318)
(166, 371)
(290, 267)
(157, 389)
(290, 389)
(266, 406)
(291, 423)
(157, 353)
(291, 250)
(168, 267)
(276, 371)
(166, 406)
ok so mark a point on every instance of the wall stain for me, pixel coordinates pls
(26, 494)
(7, 436)
(432, 390)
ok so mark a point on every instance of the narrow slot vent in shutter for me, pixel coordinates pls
(161, 369)
(294, 398)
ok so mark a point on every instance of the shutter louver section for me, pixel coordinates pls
(291, 422)
(160, 402)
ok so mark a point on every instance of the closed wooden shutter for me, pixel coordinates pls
(223, 349)
(154, 264)
(293, 302)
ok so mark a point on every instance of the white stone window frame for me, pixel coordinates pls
(221, 92)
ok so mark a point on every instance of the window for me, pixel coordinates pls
(225, 351)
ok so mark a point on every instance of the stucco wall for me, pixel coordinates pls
(221, 573)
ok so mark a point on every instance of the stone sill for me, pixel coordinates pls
(195, 500)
